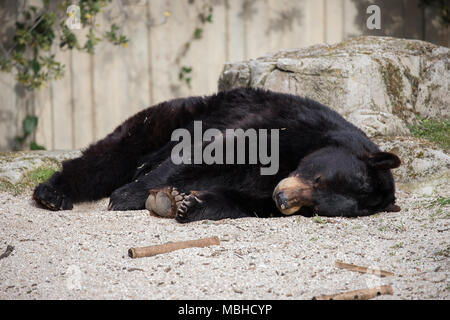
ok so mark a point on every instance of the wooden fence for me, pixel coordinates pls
(100, 91)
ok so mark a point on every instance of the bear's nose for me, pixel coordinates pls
(281, 201)
(291, 194)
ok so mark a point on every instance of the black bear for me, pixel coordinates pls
(327, 166)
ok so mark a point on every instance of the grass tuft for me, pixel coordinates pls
(432, 130)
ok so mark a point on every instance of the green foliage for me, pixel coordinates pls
(91, 42)
(204, 17)
(317, 219)
(37, 30)
(114, 37)
(29, 56)
(198, 32)
(30, 179)
(432, 130)
(185, 76)
(40, 175)
(441, 202)
(29, 125)
(443, 252)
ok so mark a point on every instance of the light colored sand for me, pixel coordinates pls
(82, 254)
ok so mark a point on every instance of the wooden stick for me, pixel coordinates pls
(171, 246)
(352, 267)
(363, 294)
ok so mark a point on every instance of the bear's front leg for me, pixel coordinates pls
(51, 196)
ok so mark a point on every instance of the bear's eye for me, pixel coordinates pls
(317, 180)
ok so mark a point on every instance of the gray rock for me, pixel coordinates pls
(422, 161)
(377, 83)
(15, 165)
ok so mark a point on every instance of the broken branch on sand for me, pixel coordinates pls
(363, 294)
(352, 267)
(171, 246)
(7, 252)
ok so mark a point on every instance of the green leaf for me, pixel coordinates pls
(29, 124)
(35, 66)
(35, 146)
(198, 33)
(186, 69)
(19, 140)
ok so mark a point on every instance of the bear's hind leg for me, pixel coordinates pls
(169, 202)
(132, 196)
(211, 205)
(165, 201)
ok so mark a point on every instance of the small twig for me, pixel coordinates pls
(352, 267)
(7, 252)
(171, 246)
(363, 294)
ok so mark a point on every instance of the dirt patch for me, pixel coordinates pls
(82, 254)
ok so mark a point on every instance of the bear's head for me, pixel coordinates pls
(336, 182)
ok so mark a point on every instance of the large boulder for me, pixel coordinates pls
(380, 84)
(377, 83)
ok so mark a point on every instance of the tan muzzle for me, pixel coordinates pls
(291, 194)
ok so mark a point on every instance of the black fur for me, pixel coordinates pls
(135, 157)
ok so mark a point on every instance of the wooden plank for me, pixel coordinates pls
(109, 76)
(23, 106)
(235, 32)
(61, 97)
(168, 34)
(414, 20)
(23, 97)
(135, 58)
(286, 25)
(256, 17)
(393, 19)
(207, 55)
(350, 18)
(44, 111)
(8, 126)
(82, 95)
(315, 22)
(435, 32)
(149, 51)
(334, 17)
(8, 12)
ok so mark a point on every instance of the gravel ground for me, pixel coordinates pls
(82, 254)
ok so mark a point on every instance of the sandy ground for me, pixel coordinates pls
(82, 254)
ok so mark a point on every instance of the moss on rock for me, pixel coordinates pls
(29, 180)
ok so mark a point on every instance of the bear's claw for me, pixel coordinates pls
(168, 202)
(192, 200)
(50, 198)
(188, 202)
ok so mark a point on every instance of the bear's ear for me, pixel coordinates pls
(382, 160)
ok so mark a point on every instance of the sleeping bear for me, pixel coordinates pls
(325, 165)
